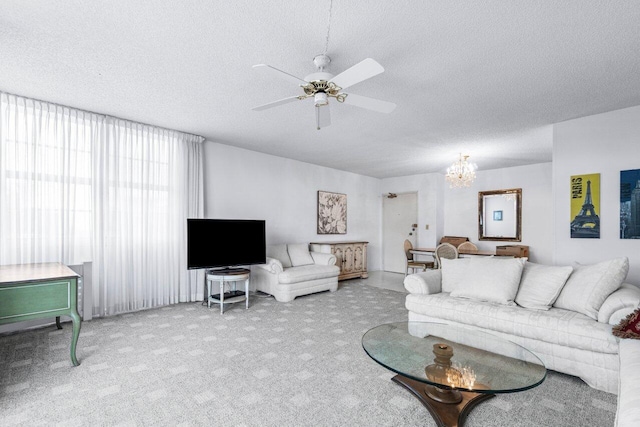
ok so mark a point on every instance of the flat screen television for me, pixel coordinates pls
(228, 243)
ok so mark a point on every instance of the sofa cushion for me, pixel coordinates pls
(280, 253)
(454, 272)
(493, 279)
(541, 284)
(555, 326)
(299, 254)
(589, 286)
(308, 272)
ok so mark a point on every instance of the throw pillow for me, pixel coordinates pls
(280, 253)
(454, 272)
(541, 284)
(492, 279)
(299, 254)
(589, 285)
(629, 327)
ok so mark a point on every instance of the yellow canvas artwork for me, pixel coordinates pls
(585, 206)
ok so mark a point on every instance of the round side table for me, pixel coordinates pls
(232, 276)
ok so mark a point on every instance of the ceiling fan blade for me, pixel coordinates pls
(370, 103)
(280, 73)
(323, 117)
(275, 103)
(361, 71)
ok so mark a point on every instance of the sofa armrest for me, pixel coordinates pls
(429, 282)
(322, 258)
(619, 304)
(628, 413)
(272, 266)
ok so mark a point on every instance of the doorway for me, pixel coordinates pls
(399, 222)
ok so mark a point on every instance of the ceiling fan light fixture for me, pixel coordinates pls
(320, 99)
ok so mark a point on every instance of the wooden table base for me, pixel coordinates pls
(444, 414)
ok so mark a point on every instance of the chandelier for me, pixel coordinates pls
(461, 173)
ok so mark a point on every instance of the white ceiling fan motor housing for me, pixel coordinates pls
(320, 75)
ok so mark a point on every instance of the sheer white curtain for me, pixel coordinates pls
(77, 186)
(148, 181)
(45, 181)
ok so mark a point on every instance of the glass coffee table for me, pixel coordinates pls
(451, 369)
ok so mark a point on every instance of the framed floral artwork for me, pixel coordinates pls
(332, 213)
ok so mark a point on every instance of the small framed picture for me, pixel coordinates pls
(497, 215)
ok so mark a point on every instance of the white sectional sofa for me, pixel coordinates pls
(564, 315)
(292, 270)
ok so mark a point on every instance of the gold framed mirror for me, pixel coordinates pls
(500, 215)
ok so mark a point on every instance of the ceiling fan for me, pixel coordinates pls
(322, 85)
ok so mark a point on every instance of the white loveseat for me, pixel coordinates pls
(292, 270)
(570, 316)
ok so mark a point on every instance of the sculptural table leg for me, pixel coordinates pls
(75, 318)
(444, 414)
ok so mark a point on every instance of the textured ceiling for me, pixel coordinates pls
(485, 77)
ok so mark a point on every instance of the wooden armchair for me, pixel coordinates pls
(412, 263)
(445, 250)
(467, 247)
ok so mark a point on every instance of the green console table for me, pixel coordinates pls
(36, 291)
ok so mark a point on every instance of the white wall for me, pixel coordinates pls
(250, 185)
(246, 184)
(454, 211)
(607, 144)
(461, 208)
(430, 203)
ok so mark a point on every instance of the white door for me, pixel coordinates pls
(399, 219)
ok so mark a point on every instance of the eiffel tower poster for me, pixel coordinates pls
(585, 205)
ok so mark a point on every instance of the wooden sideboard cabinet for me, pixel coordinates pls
(351, 257)
(518, 251)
